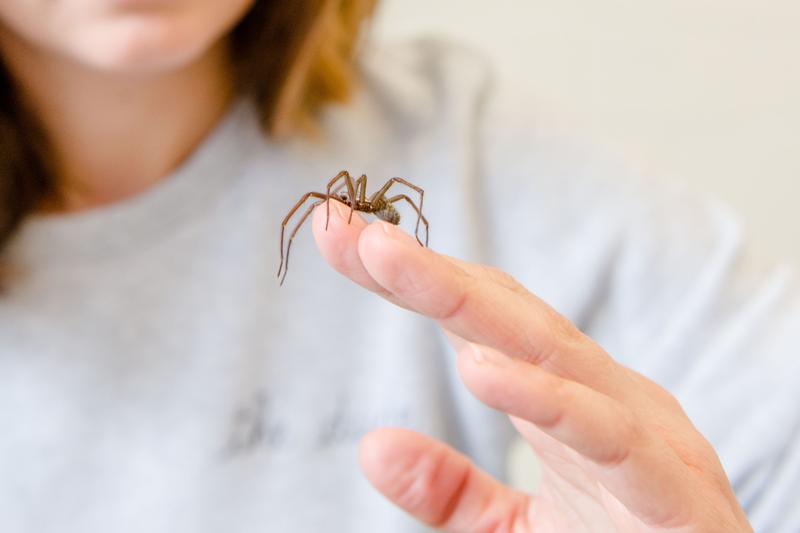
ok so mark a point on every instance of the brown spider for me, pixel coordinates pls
(356, 197)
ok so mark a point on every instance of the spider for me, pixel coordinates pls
(355, 197)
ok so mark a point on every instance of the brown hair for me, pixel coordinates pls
(292, 57)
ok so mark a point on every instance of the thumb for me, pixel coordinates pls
(438, 485)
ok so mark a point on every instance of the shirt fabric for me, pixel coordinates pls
(155, 377)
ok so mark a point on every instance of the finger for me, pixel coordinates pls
(483, 306)
(632, 462)
(487, 306)
(438, 485)
(494, 275)
(338, 245)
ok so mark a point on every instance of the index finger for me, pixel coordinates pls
(479, 304)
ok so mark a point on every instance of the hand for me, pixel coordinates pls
(618, 453)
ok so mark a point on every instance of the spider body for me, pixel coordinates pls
(379, 207)
(389, 214)
(379, 204)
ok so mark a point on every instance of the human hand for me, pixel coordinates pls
(617, 451)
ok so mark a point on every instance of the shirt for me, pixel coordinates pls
(155, 377)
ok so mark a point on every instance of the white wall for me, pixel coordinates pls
(705, 91)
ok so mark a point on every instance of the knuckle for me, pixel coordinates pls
(501, 277)
(630, 429)
(412, 491)
(696, 453)
(661, 396)
(561, 329)
(552, 338)
(629, 433)
(460, 299)
(562, 394)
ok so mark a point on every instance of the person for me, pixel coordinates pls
(155, 377)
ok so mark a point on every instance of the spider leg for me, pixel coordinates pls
(294, 232)
(349, 182)
(360, 194)
(363, 180)
(420, 216)
(286, 219)
(338, 188)
(383, 190)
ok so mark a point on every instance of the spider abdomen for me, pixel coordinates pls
(379, 204)
(389, 214)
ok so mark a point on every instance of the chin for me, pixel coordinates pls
(145, 44)
(141, 46)
(122, 35)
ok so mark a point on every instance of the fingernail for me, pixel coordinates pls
(342, 210)
(486, 356)
(393, 232)
(477, 354)
(389, 229)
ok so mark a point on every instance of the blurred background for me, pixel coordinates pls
(702, 91)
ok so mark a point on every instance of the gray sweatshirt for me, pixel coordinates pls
(155, 378)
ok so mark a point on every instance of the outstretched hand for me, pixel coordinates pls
(618, 453)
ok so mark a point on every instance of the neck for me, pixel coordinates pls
(112, 135)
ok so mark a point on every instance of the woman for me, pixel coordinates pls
(154, 377)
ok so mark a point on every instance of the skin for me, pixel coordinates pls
(618, 452)
(117, 64)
